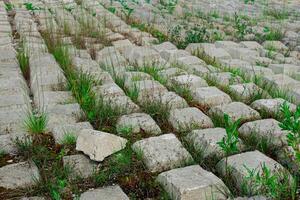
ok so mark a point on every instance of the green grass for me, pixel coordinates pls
(2, 153)
(127, 169)
(229, 143)
(69, 139)
(23, 61)
(273, 91)
(279, 14)
(277, 185)
(53, 176)
(112, 10)
(29, 6)
(150, 29)
(183, 91)
(154, 72)
(241, 26)
(270, 34)
(133, 93)
(35, 123)
(8, 6)
(291, 123)
(249, 1)
(159, 112)
(125, 130)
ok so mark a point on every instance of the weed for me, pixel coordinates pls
(29, 6)
(183, 91)
(197, 34)
(169, 5)
(126, 10)
(277, 14)
(23, 61)
(241, 26)
(291, 123)
(207, 59)
(277, 185)
(175, 36)
(159, 111)
(273, 91)
(119, 79)
(112, 10)
(249, 1)
(2, 153)
(125, 130)
(270, 34)
(8, 6)
(69, 139)
(262, 144)
(69, 8)
(133, 93)
(154, 72)
(35, 123)
(215, 14)
(24, 145)
(150, 29)
(229, 143)
(116, 166)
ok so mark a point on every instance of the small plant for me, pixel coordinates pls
(23, 145)
(291, 123)
(249, 1)
(112, 10)
(183, 91)
(271, 34)
(215, 14)
(277, 14)
(29, 6)
(125, 130)
(69, 139)
(150, 29)
(154, 72)
(2, 153)
(175, 36)
(57, 189)
(69, 8)
(159, 111)
(126, 10)
(241, 26)
(169, 5)
(229, 143)
(277, 185)
(23, 61)
(197, 34)
(133, 93)
(9, 6)
(35, 123)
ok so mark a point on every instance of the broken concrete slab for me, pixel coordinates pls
(98, 145)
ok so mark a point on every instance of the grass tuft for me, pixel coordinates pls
(35, 123)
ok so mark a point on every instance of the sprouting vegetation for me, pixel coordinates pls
(241, 26)
(36, 122)
(279, 14)
(229, 143)
(8, 6)
(291, 123)
(23, 61)
(29, 6)
(276, 185)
